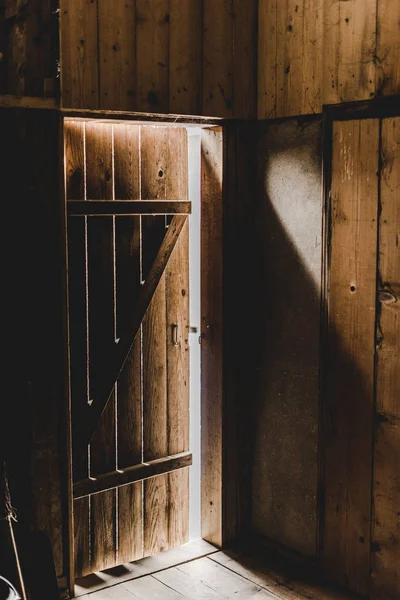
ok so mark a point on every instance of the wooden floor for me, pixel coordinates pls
(218, 576)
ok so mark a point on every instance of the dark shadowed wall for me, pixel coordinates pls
(287, 251)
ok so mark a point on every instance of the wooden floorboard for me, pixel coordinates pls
(216, 576)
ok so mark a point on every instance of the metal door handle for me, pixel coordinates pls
(175, 341)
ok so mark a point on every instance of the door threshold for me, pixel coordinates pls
(145, 566)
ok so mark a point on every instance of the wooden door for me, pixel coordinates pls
(129, 353)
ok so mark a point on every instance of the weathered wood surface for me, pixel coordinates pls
(129, 390)
(349, 390)
(126, 270)
(131, 474)
(211, 336)
(177, 320)
(162, 56)
(126, 207)
(29, 45)
(101, 322)
(74, 141)
(104, 382)
(79, 62)
(386, 485)
(319, 52)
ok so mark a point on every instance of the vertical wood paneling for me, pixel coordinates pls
(74, 161)
(350, 358)
(386, 490)
(245, 58)
(313, 53)
(152, 55)
(177, 290)
(211, 335)
(129, 409)
(153, 181)
(388, 48)
(185, 57)
(99, 185)
(79, 54)
(218, 67)
(267, 49)
(117, 55)
(155, 421)
(290, 57)
(155, 441)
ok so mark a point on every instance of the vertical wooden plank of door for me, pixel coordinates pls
(350, 358)
(99, 174)
(211, 335)
(388, 48)
(74, 167)
(177, 290)
(117, 56)
(218, 92)
(155, 442)
(386, 487)
(185, 57)
(79, 54)
(129, 397)
(152, 55)
(153, 182)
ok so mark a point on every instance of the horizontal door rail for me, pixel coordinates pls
(106, 208)
(115, 479)
(83, 429)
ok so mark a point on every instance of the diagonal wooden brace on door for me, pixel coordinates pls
(84, 429)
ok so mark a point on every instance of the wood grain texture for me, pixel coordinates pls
(348, 401)
(155, 442)
(245, 58)
(154, 348)
(218, 67)
(129, 397)
(185, 45)
(152, 55)
(29, 43)
(153, 149)
(386, 487)
(388, 48)
(103, 506)
(350, 33)
(177, 297)
(79, 54)
(117, 56)
(99, 184)
(74, 133)
(211, 335)
(316, 53)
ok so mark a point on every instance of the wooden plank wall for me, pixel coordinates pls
(224, 58)
(315, 52)
(29, 43)
(148, 416)
(164, 56)
(35, 327)
(351, 352)
(361, 441)
(386, 485)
